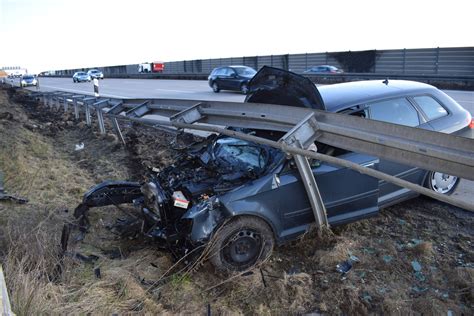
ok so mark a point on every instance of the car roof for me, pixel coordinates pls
(233, 66)
(342, 95)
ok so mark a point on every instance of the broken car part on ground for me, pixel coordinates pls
(243, 183)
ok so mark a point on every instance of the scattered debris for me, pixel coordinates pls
(97, 273)
(416, 266)
(79, 147)
(344, 267)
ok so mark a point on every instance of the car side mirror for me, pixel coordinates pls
(233, 75)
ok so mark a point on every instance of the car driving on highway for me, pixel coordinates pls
(323, 69)
(81, 76)
(95, 74)
(247, 197)
(28, 80)
(234, 78)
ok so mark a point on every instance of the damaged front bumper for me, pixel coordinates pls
(178, 229)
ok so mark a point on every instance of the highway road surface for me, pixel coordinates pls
(200, 90)
(178, 89)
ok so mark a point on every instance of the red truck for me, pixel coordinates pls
(151, 67)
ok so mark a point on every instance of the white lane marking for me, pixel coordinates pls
(171, 90)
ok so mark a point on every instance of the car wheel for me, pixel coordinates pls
(215, 87)
(244, 88)
(241, 243)
(441, 182)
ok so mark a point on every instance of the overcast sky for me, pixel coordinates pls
(54, 34)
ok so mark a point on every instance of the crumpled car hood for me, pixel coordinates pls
(277, 86)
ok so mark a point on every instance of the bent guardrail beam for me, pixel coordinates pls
(408, 145)
(412, 146)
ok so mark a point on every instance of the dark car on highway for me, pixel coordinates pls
(234, 78)
(247, 197)
(81, 76)
(28, 80)
(323, 69)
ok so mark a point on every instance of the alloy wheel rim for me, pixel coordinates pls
(442, 183)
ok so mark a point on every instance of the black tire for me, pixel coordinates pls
(441, 183)
(241, 243)
(215, 87)
(244, 88)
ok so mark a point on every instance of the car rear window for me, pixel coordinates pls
(430, 107)
(397, 111)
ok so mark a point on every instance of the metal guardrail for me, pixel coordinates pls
(421, 148)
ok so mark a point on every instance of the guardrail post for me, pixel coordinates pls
(117, 130)
(302, 136)
(76, 108)
(88, 114)
(100, 118)
(98, 105)
(58, 103)
(66, 107)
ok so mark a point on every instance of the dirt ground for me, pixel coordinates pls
(413, 258)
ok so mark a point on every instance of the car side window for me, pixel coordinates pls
(397, 111)
(430, 107)
(229, 71)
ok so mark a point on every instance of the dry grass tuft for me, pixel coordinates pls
(424, 250)
(328, 259)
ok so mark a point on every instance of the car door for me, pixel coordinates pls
(347, 194)
(225, 78)
(398, 111)
(220, 78)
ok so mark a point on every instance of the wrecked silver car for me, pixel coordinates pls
(246, 197)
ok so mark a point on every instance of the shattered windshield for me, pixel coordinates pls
(236, 154)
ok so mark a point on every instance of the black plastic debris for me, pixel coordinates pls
(97, 273)
(7, 197)
(84, 258)
(344, 267)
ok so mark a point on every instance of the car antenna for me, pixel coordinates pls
(385, 81)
